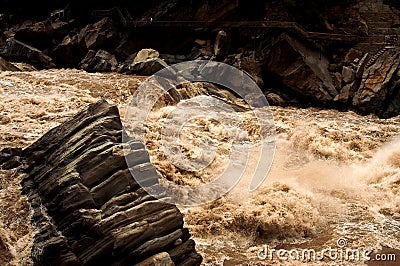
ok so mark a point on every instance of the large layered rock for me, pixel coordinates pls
(42, 34)
(379, 89)
(301, 70)
(88, 208)
(19, 51)
(100, 35)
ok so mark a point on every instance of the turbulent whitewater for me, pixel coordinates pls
(335, 174)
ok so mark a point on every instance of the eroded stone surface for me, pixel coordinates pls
(379, 87)
(87, 207)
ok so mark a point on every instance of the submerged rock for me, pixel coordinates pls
(7, 66)
(88, 208)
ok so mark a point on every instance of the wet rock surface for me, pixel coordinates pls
(87, 207)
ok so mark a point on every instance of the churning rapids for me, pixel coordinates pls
(335, 174)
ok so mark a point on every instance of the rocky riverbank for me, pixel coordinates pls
(336, 170)
(323, 61)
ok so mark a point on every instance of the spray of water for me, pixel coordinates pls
(335, 173)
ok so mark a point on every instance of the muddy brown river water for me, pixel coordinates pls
(334, 181)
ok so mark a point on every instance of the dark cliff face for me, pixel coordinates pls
(303, 10)
(321, 15)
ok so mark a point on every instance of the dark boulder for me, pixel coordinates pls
(84, 64)
(100, 35)
(3, 38)
(7, 66)
(247, 63)
(18, 51)
(147, 68)
(301, 70)
(42, 34)
(275, 99)
(346, 93)
(146, 62)
(102, 61)
(67, 52)
(171, 59)
(125, 48)
(393, 105)
(87, 207)
(352, 54)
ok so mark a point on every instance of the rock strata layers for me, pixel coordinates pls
(87, 207)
